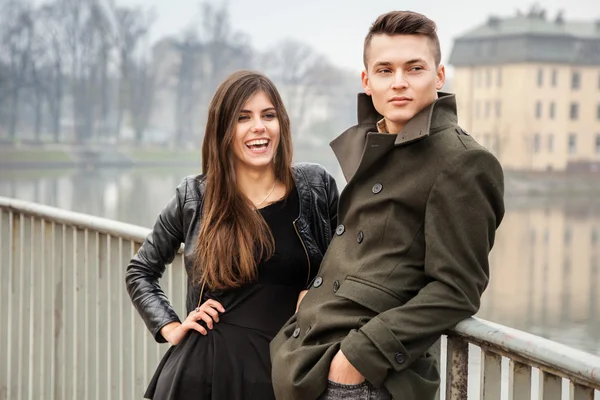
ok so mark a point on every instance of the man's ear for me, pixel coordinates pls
(441, 77)
(365, 82)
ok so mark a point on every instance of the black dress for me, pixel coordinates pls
(232, 362)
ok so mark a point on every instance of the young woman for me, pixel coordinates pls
(255, 230)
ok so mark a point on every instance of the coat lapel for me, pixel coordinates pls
(360, 147)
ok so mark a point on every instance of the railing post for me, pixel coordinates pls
(457, 368)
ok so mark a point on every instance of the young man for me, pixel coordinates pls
(417, 220)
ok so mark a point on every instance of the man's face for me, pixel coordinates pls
(401, 77)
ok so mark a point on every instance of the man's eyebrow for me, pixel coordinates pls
(382, 64)
(415, 61)
(409, 62)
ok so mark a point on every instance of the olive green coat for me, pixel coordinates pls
(409, 258)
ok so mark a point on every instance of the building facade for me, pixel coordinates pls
(528, 89)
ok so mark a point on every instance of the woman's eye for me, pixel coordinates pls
(243, 118)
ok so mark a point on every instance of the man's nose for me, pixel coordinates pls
(399, 81)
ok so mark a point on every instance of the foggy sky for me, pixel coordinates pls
(337, 27)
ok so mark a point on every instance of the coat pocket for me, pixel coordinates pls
(368, 294)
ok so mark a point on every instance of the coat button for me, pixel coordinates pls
(336, 286)
(296, 332)
(360, 237)
(318, 281)
(377, 188)
(400, 358)
(340, 230)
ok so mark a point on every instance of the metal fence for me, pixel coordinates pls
(69, 331)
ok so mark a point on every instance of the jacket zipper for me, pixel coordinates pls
(305, 251)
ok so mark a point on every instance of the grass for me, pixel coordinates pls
(34, 156)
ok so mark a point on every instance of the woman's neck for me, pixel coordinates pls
(255, 184)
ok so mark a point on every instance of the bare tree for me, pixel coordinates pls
(142, 97)
(206, 56)
(17, 40)
(133, 26)
(301, 75)
(51, 37)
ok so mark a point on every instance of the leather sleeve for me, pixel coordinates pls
(333, 195)
(148, 265)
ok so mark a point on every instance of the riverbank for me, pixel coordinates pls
(26, 162)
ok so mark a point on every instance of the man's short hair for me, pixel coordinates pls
(404, 23)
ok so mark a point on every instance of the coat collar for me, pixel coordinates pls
(350, 147)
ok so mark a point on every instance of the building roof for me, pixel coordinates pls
(529, 38)
(527, 25)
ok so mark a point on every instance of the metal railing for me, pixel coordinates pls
(69, 331)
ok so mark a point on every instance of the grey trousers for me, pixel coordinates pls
(362, 391)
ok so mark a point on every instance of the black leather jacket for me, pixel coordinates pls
(179, 222)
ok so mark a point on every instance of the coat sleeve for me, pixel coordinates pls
(148, 266)
(464, 208)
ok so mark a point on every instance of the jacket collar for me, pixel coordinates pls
(349, 146)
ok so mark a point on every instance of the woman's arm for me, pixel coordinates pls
(148, 265)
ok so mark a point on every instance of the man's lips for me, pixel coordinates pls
(400, 99)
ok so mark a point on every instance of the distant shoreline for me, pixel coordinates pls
(59, 160)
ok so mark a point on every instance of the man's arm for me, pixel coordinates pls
(463, 211)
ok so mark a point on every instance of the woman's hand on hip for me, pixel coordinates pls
(207, 312)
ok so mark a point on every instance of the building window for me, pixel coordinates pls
(477, 109)
(572, 143)
(540, 77)
(550, 143)
(597, 143)
(574, 112)
(487, 109)
(488, 77)
(499, 108)
(598, 112)
(538, 109)
(575, 80)
(536, 143)
(499, 78)
(568, 236)
(552, 110)
(554, 77)
(479, 74)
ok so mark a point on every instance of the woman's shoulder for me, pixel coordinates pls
(192, 187)
(311, 171)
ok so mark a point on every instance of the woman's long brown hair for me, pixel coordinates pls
(233, 237)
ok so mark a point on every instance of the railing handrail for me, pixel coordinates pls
(80, 220)
(560, 359)
(531, 349)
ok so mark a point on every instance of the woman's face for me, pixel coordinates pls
(257, 133)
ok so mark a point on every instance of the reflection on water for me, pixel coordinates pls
(545, 264)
